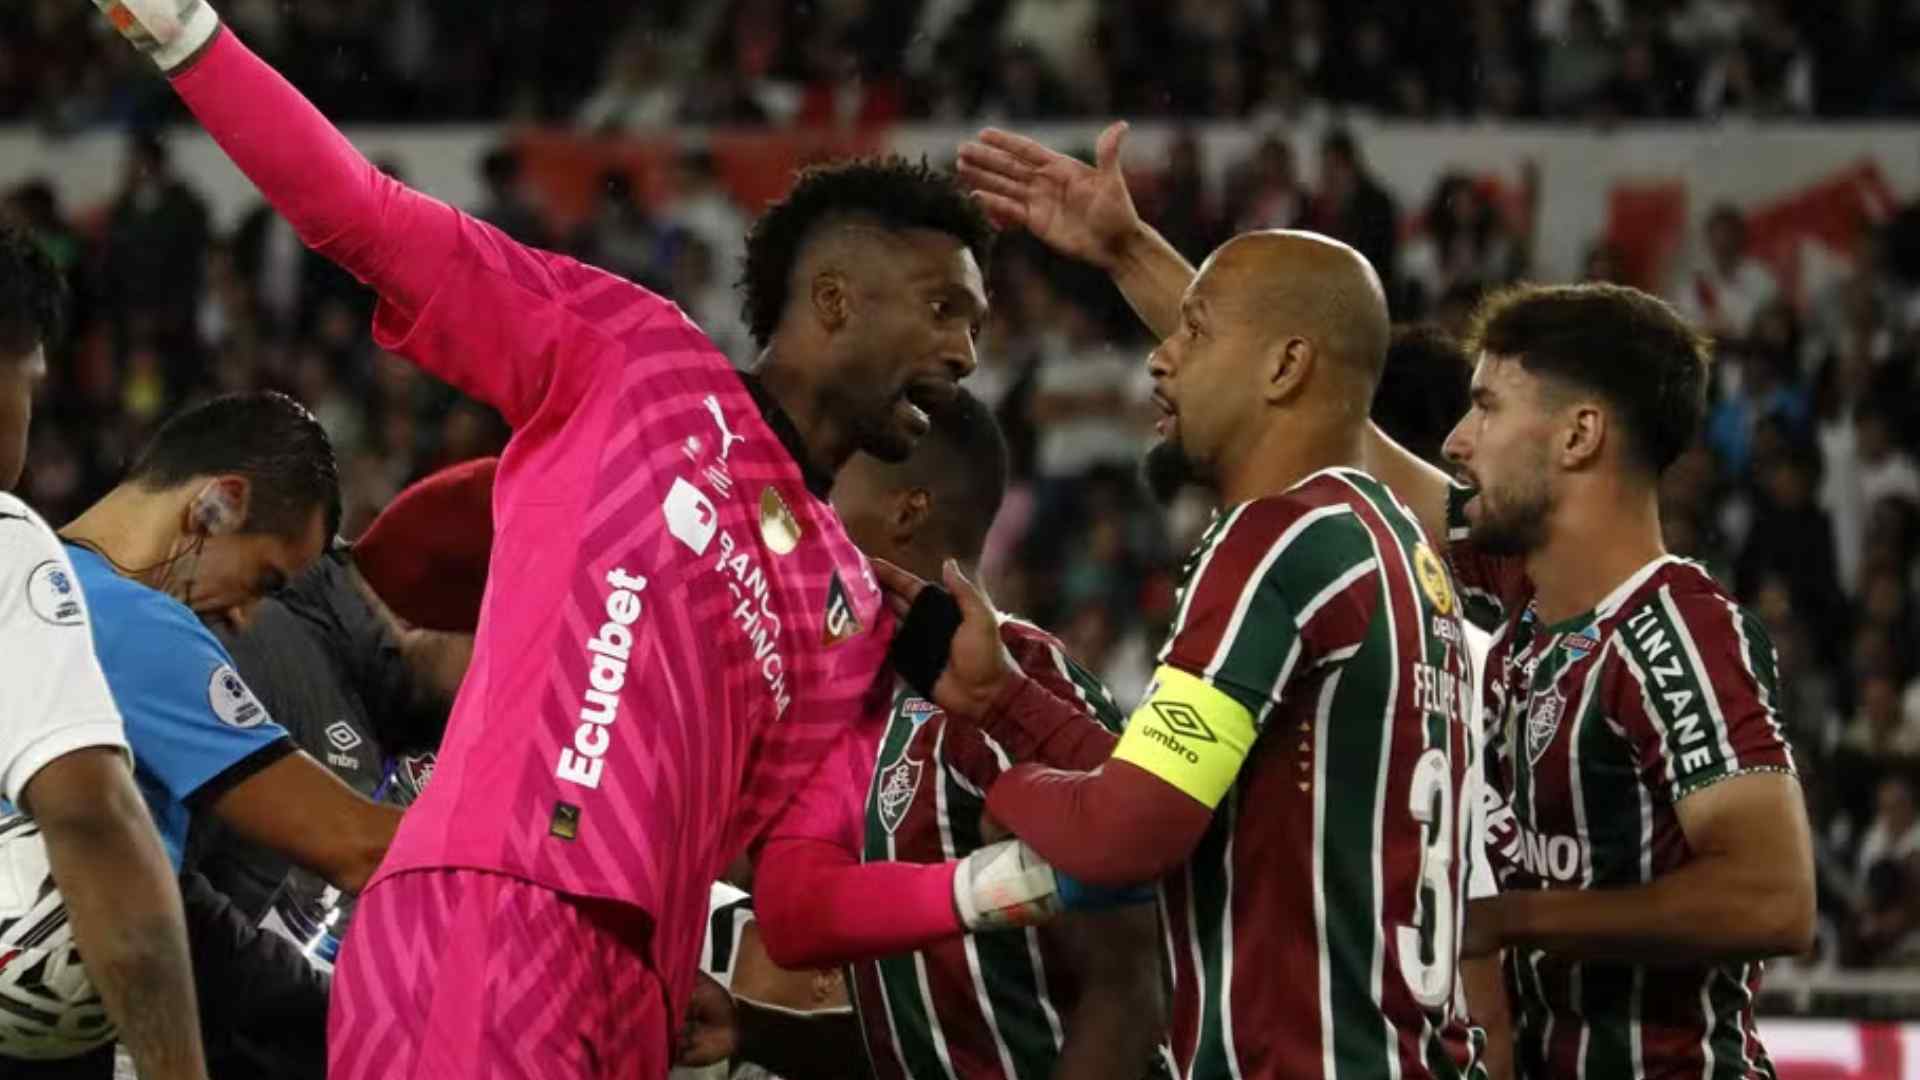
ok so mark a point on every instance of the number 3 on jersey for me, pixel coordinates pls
(1427, 958)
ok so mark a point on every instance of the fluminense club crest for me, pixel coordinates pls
(899, 782)
(1543, 720)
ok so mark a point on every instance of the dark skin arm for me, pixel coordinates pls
(301, 811)
(124, 904)
(1122, 1010)
(1488, 1007)
(1746, 894)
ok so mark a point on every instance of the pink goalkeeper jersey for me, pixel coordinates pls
(676, 630)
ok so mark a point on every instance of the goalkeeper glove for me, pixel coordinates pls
(168, 31)
(1008, 884)
(1004, 885)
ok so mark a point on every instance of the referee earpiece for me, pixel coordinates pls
(214, 511)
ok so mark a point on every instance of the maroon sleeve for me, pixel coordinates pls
(1118, 825)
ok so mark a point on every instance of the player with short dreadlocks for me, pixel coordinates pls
(676, 632)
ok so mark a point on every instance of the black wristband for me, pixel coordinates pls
(920, 646)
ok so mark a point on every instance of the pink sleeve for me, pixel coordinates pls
(817, 906)
(492, 317)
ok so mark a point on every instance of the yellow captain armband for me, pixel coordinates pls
(1189, 734)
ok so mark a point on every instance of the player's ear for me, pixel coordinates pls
(1286, 367)
(911, 510)
(219, 508)
(831, 298)
(1582, 436)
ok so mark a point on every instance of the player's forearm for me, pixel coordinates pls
(124, 904)
(1415, 482)
(1121, 1014)
(818, 906)
(1034, 725)
(1715, 909)
(1153, 276)
(389, 236)
(1489, 1010)
(1116, 826)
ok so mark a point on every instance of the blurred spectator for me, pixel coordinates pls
(1183, 206)
(1757, 382)
(622, 236)
(1766, 72)
(1465, 242)
(509, 206)
(155, 250)
(1879, 730)
(1580, 62)
(1792, 539)
(1265, 192)
(704, 209)
(1888, 876)
(1729, 287)
(637, 92)
(1354, 207)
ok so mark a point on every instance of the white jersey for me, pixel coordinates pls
(53, 697)
(1482, 884)
(729, 911)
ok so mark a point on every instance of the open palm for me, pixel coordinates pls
(1078, 210)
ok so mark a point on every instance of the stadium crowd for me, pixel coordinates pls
(1804, 493)
(859, 62)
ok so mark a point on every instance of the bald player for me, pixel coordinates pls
(1295, 775)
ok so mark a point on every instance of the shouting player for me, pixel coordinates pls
(1080, 998)
(63, 749)
(676, 629)
(1658, 845)
(1297, 769)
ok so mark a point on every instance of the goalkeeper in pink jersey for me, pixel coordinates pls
(677, 631)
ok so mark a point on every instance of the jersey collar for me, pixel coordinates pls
(1632, 585)
(818, 483)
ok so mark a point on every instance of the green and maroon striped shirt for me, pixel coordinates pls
(1597, 726)
(1314, 932)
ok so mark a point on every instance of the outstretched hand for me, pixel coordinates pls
(978, 664)
(1080, 211)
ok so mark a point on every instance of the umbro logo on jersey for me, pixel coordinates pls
(342, 736)
(842, 622)
(1184, 720)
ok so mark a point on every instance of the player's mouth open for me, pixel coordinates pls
(923, 395)
(1168, 416)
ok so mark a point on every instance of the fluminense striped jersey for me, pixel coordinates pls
(1597, 726)
(1314, 932)
(982, 1006)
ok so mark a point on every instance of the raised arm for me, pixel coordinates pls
(1086, 213)
(505, 342)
